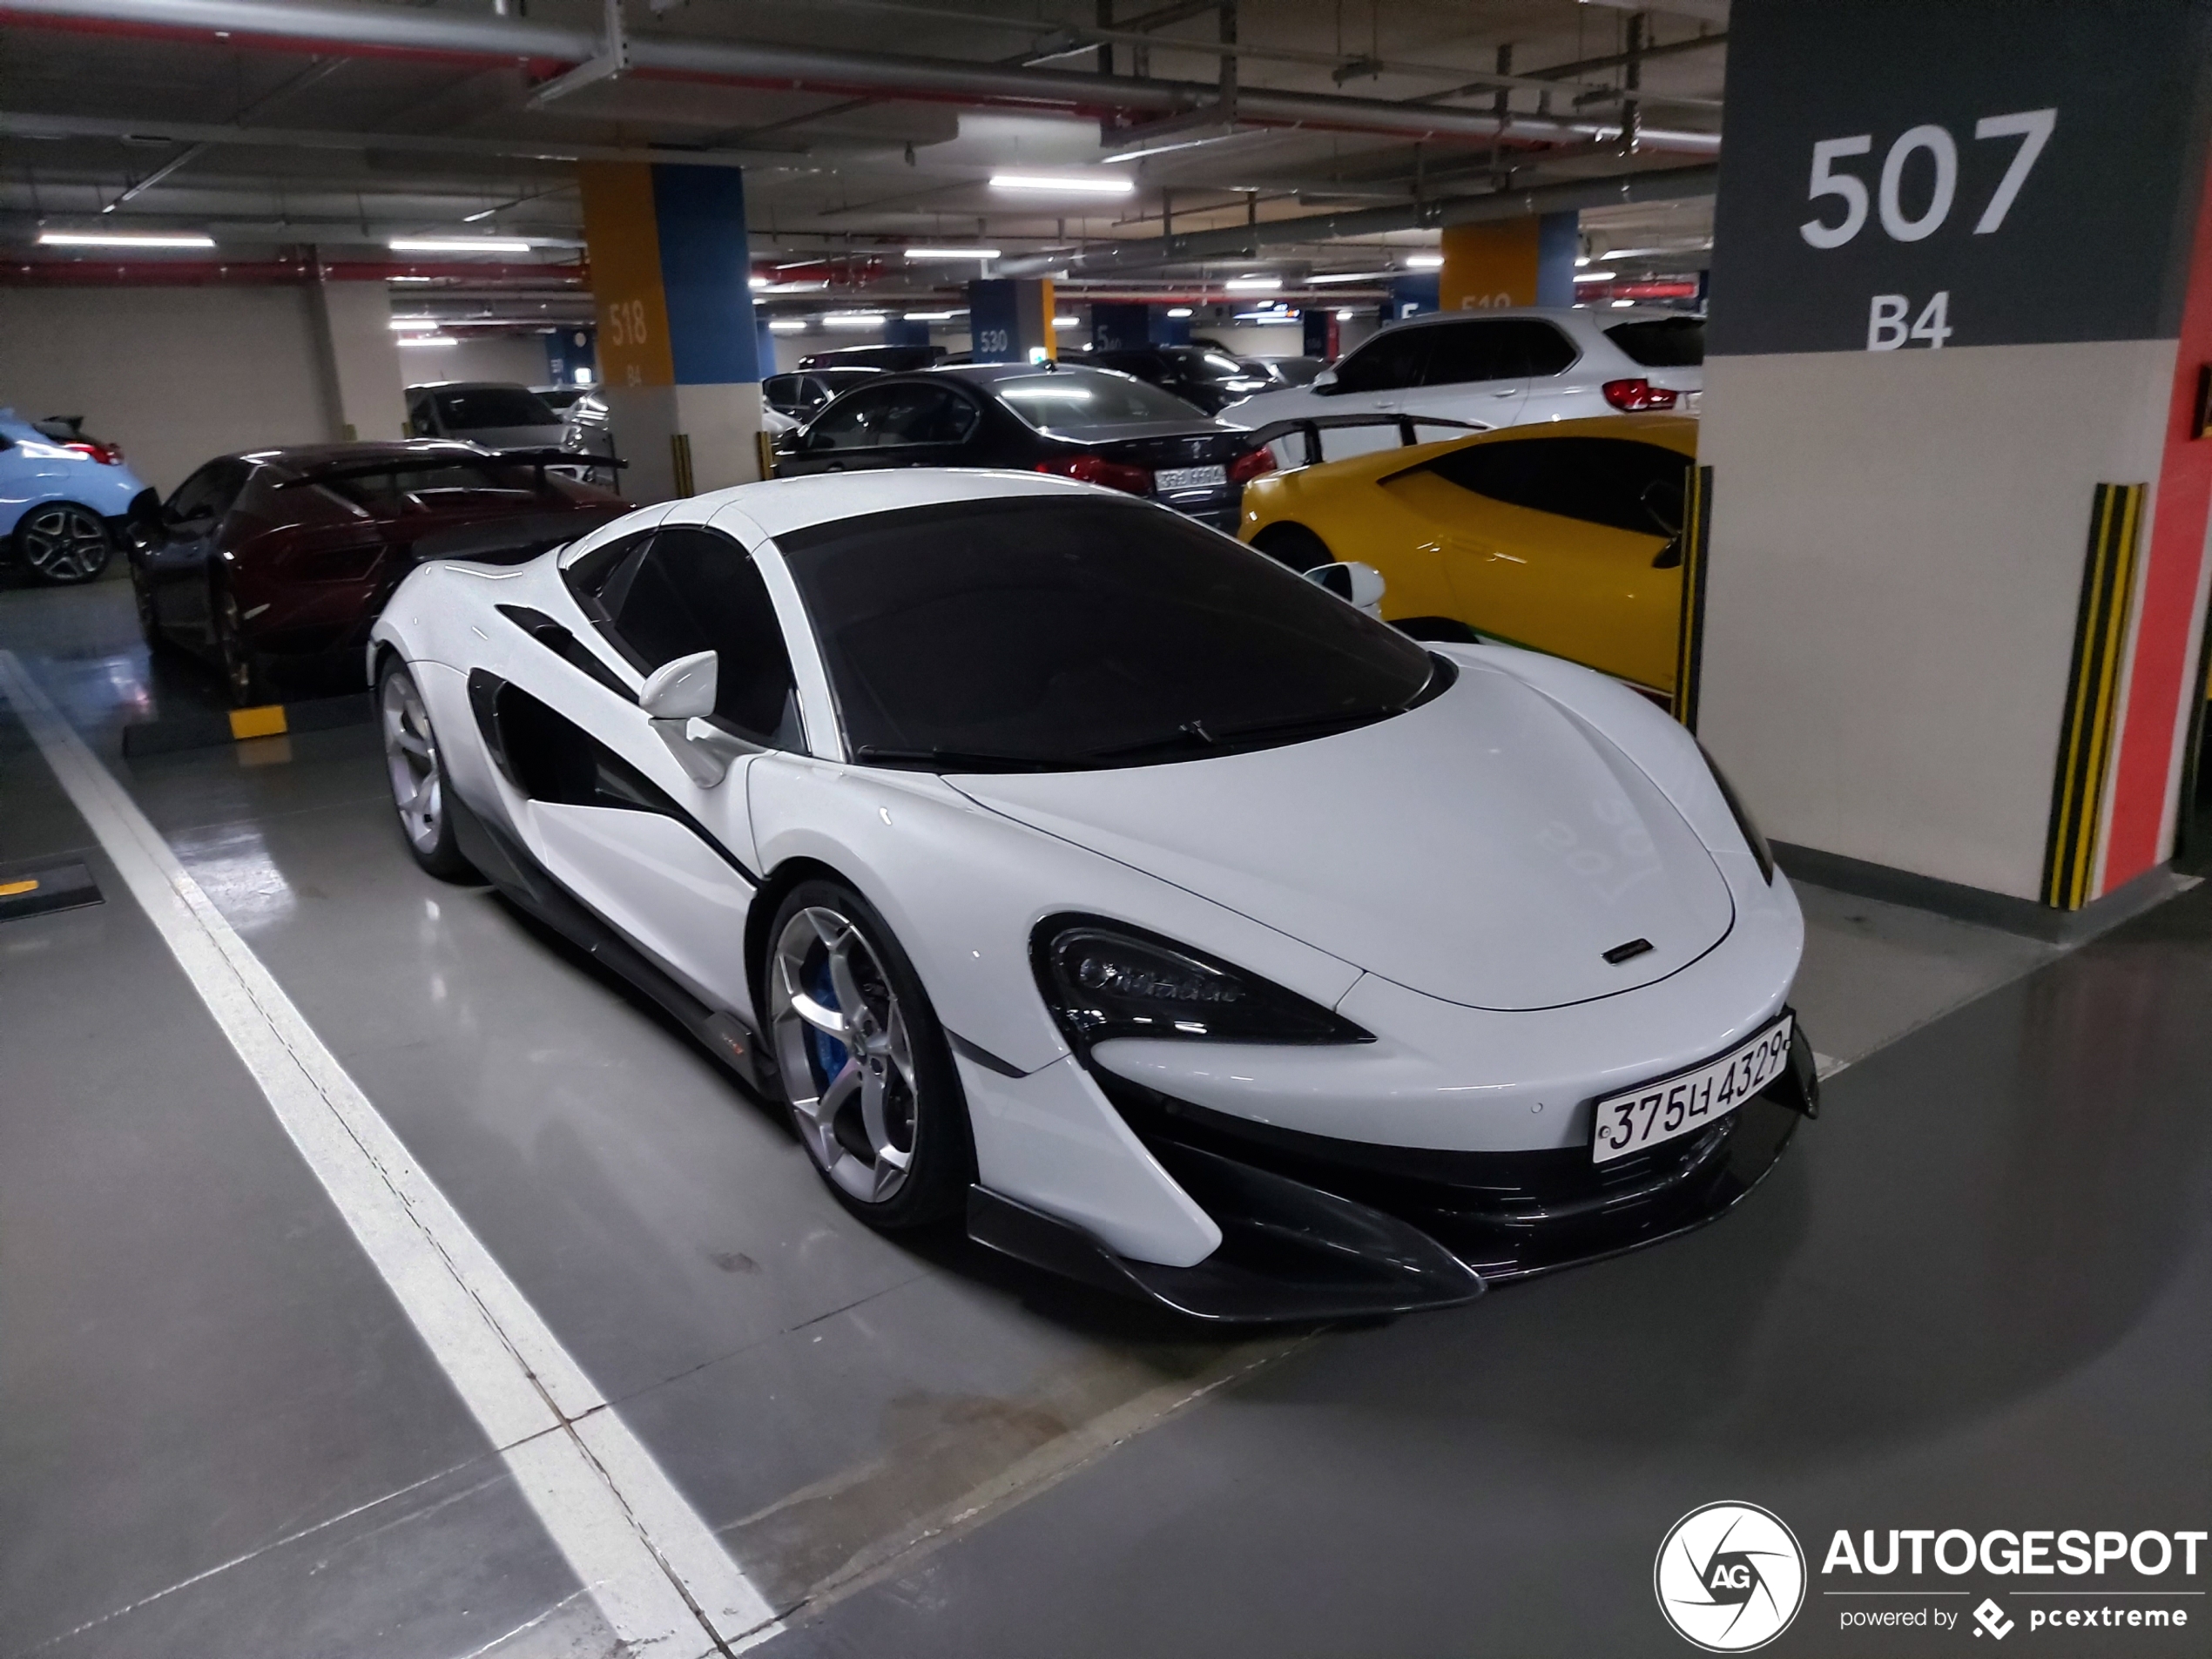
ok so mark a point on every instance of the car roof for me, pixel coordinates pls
(778, 506)
(466, 385)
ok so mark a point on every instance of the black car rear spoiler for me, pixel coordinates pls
(1311, 426)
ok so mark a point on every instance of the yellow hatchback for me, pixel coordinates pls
(1564, 537)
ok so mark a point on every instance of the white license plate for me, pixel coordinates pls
(1189, 477)
(1691, 401)
(1691, 1100)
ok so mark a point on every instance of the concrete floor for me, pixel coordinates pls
(1974, 1294)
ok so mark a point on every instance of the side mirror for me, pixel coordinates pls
(1359, 585)
(1326, 382)
(683, 690)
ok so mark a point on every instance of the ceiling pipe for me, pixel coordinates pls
(547, 49)
(1669, 184)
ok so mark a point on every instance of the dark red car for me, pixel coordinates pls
(273, 564)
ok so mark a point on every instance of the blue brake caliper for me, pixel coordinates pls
(829, 1053)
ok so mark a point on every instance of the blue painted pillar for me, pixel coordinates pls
(1170, 331)
(897, 331)
(1559, 239)
(1410, 295)
(676, 331)
(568, 350)
(1120, 326)
(1009, 319)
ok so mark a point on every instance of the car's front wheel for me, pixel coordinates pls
(62, 543)
(1294, 545)
(865, 1065)
(417, 774)
(241, 663)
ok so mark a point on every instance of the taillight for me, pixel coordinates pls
(108, 455)
(1096, 469)
(1249, 465)
(1631, 396)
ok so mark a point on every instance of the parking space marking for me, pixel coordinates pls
(660, 1578)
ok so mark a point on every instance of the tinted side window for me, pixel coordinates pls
(1662, 342)
(1542, 348)
(855, 422)
(692, 590)
(1459, 352)
(209, 492)
(1616, 481)
(1392, 360)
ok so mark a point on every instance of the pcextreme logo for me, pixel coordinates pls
(1729, 1577)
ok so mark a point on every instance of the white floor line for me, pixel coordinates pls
(657, 1572)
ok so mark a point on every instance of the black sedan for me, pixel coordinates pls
(1087, 424)
(1201, 376)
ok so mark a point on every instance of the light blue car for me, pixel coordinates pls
(65, 500)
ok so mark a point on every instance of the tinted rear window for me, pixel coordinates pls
(1662, 342)
(1057, 631)
(1087, 398)
(443, 483)
(1615, 481)
(494, 406)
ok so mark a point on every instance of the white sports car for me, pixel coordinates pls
(1062, 863)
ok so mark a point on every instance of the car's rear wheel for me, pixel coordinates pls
(1294, 545)
(866, 1067)
(416, 772)
(62, 543)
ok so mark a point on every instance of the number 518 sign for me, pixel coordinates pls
(1934, 198)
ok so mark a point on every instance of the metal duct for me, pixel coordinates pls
(307, 26)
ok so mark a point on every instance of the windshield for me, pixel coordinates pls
(484, 406)
(437, 484)
(1049, 634)
(1090, 397)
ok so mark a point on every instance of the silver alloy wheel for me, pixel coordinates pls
(411, 761)
(848, 1060)
(63, 543)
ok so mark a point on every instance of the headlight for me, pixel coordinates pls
(1104, 979)
(1760, 850)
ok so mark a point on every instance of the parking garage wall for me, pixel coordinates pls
(176, 376)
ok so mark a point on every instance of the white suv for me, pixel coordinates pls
(1494, 368)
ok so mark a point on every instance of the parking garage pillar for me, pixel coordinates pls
(1009, 319)
(679, 359)
(1953, 583)
(1509, 262)
(359, 354)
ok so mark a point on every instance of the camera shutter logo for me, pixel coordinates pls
(1729, 1577)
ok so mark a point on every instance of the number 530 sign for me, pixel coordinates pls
(1886, 329)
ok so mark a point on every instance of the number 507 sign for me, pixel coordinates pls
(1897, 175)
(1886, 328)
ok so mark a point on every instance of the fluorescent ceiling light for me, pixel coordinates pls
(410, 278)
(1253, 284)
(953, 253)
(1179, 311)
(1346, 276)
(1622, 305)
(477, 219)
(119, 239)
(1067, 322)
(757, 283)
(1095, 185)
(788, 326)
(931, 316)
(1594, 276)
(854, 319)
(791, 287)
(428, 340)
(403, 324)
(1424, 261)
(458, 245)
(1346, 314)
